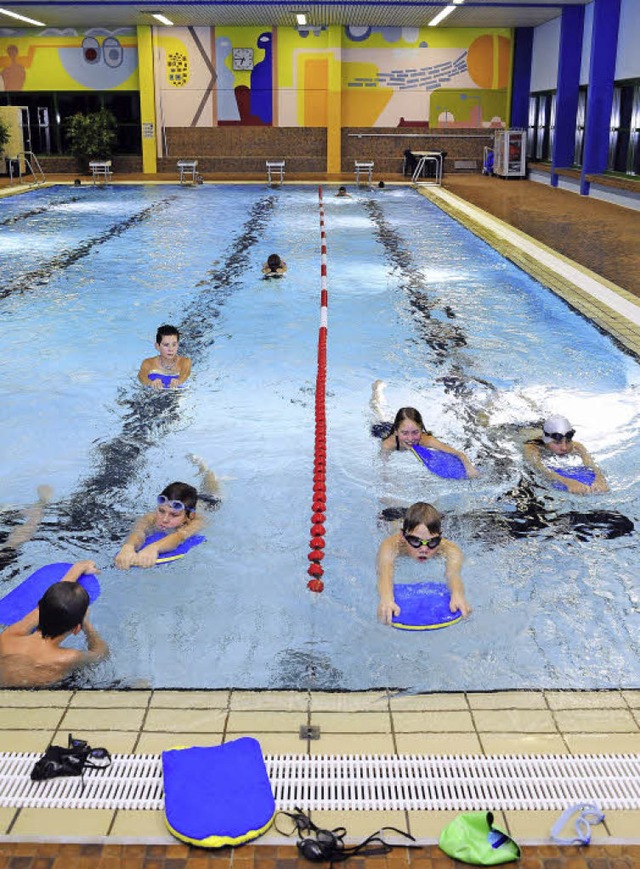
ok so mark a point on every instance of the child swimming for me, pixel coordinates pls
(421, 539)
(556, 449)
(167, 370)
(274, 266)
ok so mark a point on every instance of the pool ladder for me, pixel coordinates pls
(31, 164)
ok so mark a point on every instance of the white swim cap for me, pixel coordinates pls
(556, 424)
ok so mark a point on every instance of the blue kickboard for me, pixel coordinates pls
(443, 464)
(424, 606)
(580, 473)
(25, 597)
(179, 551)
(165, 378)
(217, 795)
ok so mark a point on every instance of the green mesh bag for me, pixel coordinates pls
(472, 838)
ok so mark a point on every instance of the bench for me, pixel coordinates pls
(101, 170)
(275, 172)
(187, 170)
(365, 168)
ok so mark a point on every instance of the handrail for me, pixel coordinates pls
(30, 160)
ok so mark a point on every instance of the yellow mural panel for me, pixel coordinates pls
(53, 62)
(315, 85)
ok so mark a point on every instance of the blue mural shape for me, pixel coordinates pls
(262, 82)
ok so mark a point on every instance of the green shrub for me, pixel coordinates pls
(4, 135)
(92, 136)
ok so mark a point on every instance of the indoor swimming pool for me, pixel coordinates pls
(416, 301)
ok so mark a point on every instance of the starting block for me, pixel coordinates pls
(101, 169)
(187, 170)
(275, 172)
(364, 168)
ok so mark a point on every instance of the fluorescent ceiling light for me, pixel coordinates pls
(444, 13)
(22, 18)
(301, 18)
(162, 19)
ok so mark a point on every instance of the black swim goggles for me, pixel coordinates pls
(178, 506)
(416, 542)
(558, 437)
(328, 846)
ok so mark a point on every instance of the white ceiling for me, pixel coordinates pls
(390, 13)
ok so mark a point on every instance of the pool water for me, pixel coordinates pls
(416, 301)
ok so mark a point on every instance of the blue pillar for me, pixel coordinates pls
(522, 54)
(570, 56)
(604, 46)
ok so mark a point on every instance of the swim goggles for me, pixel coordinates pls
(415, 542)
(558, 436)
(178, 506)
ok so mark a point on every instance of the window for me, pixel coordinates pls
(542, 122)
(624, 132)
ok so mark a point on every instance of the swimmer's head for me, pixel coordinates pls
(62, 608)
(342, 191)
(166, 332)
(422, 513)
(556, 425)
(176, 503)
(408, 426)
(274, 262)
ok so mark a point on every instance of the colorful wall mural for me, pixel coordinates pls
(68, 60)
(261, 76)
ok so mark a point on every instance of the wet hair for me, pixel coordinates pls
(62, 608)
(381, 184)
(408, 413)
(165, 331)
(342, 189)
(422, 513)
(182, 492)
(274, 262)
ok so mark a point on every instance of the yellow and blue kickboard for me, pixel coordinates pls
(26, 596)
(217, 795)
(443, 464)
(424, 606)
(581, 473)
(179, 551)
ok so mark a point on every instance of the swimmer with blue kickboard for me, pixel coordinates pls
(167, 370)
(426, 605)
(562, 460)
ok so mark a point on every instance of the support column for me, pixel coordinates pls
(147, 100)
(570, 56)
(521, 87)
(334, 101)
(604, 47)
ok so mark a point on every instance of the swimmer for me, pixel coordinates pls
(556, 445)
(274, 265)
(342, 191)
(421, 539)
(21, 533)
(167, 363)
(31, 655)
(408, 430)
(175, 516)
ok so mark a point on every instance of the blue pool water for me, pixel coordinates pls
(415, 300)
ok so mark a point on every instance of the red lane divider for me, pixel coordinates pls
(319, 500)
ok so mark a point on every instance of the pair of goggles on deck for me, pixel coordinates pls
(415, 542)
(558, 437)
(178, 506)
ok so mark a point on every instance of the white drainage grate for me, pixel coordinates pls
(357, 782)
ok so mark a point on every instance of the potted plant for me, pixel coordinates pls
(92, 136)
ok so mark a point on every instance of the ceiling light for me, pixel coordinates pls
(301, 18)
(22, 18)
(441, 16)
(162, 19)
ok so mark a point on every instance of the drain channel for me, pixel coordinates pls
(356, 782)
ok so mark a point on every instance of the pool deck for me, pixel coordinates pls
(588, 252)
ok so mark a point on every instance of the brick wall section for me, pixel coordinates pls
(388, 144)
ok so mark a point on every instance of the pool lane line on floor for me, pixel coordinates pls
(610, 307)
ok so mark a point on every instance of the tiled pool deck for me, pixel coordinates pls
(546, 722)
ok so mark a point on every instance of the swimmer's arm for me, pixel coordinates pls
(185, 372)
(389, 443)
(148, 556)
(599, 484)
(533, 457)
(125, 558)
(387, 553)
(432, 443)
(79, 569)
(97, 648)
(25, 627)
(453, 560)
(145, 371)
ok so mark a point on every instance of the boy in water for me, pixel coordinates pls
(167, 370)
(31, 655)
(342, 191)
(421, 539)
(274, 266)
